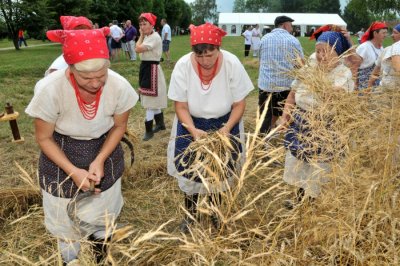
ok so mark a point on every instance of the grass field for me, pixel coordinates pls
(354, 223)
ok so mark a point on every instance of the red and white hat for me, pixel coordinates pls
(206, 33)
(81, 45)
(71, 22)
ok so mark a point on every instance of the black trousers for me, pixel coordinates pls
(275, 107)
(247, 49)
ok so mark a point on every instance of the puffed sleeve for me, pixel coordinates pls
(127, 98)
(179, 80)
(240, 82)
(45, 103)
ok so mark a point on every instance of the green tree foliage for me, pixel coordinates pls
(318, 6)
(356, 15)
(383, 6)
(256, 6)
(288, 6)
(292, 6)
(239, 6)
(37, 16)
(204, 10)
(31, 15)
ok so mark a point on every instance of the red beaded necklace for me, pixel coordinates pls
(209, 81)
(88, 110)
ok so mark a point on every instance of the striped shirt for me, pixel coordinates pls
(278, 51)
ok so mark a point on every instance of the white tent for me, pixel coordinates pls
(233, 23)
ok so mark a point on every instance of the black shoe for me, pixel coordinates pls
(159, 118)
(149, 130)
(215, 222)
(291, 204)
(99, 248)
(185, 224)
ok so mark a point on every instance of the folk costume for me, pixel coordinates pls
(209, 107)
(390, 78)
(81, 130)
(152, 85)
(299, 170)
(369, 53)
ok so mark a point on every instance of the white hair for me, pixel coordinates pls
(92, 65)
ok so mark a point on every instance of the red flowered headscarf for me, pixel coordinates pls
(71, 22)
(377, 25)
(150, 17)
(206, 33)
(81, 45)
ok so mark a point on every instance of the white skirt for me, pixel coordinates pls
(159, 102)
(191, 187)
(309, 176)
(103, 209)
(255, 43)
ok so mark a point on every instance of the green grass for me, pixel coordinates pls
(5, 43)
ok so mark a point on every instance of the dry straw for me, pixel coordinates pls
(355, 220)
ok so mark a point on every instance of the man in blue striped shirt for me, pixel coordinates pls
(279, 54)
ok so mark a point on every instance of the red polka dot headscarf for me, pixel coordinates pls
(206, 33)
(81, 45)
(71, 22)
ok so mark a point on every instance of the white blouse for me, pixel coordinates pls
(55, 102)
(369, 53)
(389, 75)
(231, 84)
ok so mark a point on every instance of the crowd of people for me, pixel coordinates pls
(81, 107)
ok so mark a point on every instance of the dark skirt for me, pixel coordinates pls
(304, 144)
(363, 77)
(81, 153)
(183, 140)
(148, 78)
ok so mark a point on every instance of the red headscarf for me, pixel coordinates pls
(206, 33)
(71, 22)
(81, 45)
(377, 25)
(151, 18)
(328, 27)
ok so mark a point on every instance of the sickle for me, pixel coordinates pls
(84, 227)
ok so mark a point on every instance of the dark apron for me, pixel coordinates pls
(301, 143)
(183, 140)
(148, 78)
(81, 153)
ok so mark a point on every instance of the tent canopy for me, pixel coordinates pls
(306, 19)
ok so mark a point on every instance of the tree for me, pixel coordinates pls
(257, 5)
(239, 6)
(329, 6)
(356, 15)
(383, 6)
(204, 10)
(18, 14)
(292, 6)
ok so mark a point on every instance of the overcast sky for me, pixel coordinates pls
(227, 5)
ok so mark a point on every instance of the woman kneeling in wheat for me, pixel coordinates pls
(309, 135)
(209, 87)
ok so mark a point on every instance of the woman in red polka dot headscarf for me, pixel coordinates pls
(209, 87)
(80, 115)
